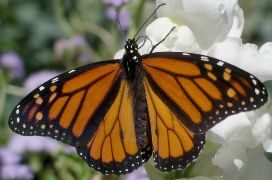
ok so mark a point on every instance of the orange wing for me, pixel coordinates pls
(200, 90)
(64, 106)
(113, 148)
(174, 145)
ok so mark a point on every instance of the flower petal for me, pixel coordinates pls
(233, 128)
(232, 159)
(180, 39)
(210, 20)
(266, 51)
(251, 61)
(238, 23)
(244, 56)
(258, 166)
(227, 50)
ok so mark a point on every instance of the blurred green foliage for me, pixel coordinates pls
(258, 21)
(30, 29)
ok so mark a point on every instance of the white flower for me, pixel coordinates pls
(245, 56)
(266, 51)
(210, 20)
(240, 135)
(181, 39)
(214, 27)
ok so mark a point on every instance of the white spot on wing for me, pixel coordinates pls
(41, 88)
(204, 58)
(71, 71)
(257, 91)
(220, 63)
(55, 80)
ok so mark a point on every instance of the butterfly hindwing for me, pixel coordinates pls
(63, 107)
(174, 145)
(201, 90)
(113, 148)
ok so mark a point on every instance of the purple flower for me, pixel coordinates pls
(69, 150)
(9, 157)
(36, 79)
(78, 41)
(83, 58)
(13, 64)
(62, 45)
(124, 17)
(138, 174)
(21, 144)
(16, 172)
(115, 2)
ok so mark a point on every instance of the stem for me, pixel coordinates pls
(61, 20)
(138, 13)
(98, 31)
(103, 35)
(16, 91)
(3, 92)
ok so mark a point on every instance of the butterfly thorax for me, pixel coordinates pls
(131, 58)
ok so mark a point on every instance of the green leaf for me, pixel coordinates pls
(268, 155)
(47, 174)
(3, 93)
(155, 174)
(71, 166)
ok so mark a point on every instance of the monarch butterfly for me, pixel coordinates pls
(117, 113)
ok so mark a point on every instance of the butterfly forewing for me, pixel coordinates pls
(201, 90)
(64, 106)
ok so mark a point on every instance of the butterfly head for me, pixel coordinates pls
(131, 58)
(131, 46)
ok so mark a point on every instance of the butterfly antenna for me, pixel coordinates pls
(162, 4)
(154, 46)
(118, 10)
(145, 38)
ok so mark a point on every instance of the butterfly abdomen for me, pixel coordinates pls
(140, 112)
